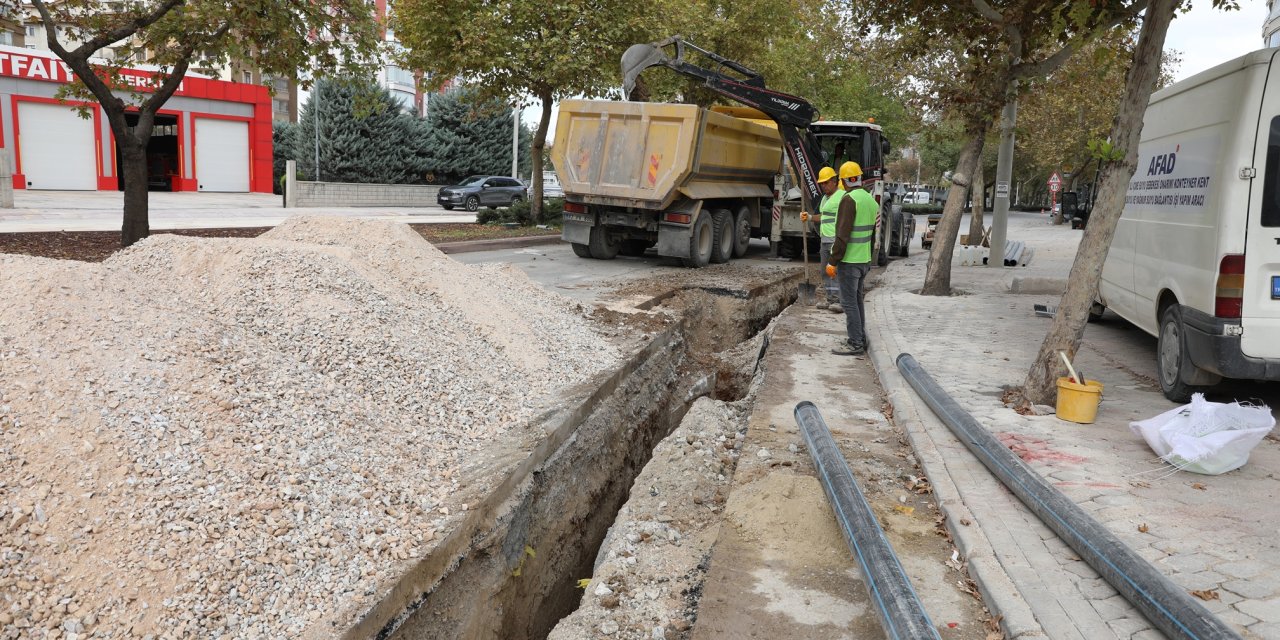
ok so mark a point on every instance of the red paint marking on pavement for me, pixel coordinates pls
(1034, 449)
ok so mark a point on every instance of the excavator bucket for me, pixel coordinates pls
(637, 58)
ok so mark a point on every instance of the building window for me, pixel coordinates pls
(246, 77)
(31, 31)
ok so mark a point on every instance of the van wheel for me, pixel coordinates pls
(722, 246)
(603, 246)
(701, 241)
(741, 233)
(581, 250)
(1172, 362)
(1096, 310)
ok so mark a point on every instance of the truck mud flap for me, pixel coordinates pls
(576, 233)
(673, 241)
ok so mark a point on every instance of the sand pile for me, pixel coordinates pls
(240, 438)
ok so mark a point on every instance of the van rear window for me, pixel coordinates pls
(1271, 183)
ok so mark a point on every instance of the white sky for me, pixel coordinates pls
(1208, 37)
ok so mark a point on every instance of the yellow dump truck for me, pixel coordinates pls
(697, 184)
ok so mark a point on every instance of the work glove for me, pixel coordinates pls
(831, 271)
(804, 216)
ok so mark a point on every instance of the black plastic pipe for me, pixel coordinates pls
(896, 603)
(1169, 607)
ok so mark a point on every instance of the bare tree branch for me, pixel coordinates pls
(171, 82)
(1051, 63)
(987, 11)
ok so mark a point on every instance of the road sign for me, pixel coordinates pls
(1055, 187)
(1055, 180)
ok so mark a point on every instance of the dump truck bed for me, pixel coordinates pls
(649, 154)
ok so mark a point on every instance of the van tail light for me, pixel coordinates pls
(575, 207)
(1229, 296)
(681, 218)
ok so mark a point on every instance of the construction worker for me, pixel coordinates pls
(832, 194)
(850, 259)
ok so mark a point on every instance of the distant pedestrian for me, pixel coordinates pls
(850, 259)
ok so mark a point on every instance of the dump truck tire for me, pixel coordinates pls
(701, 240)
(581, 250)
(722, 245)
(603, 247)
(741, 232)
(633, 247)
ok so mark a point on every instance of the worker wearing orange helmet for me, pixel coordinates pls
(850, 259)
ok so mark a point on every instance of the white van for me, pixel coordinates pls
(1196, 256)
(916, 197)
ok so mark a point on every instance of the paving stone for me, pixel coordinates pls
(1186, 562)
(1112, 608)
(1263, 610)
(1127, 626)
(1261, 587)
(1201, 580)
(1240, 620)
(1241, 569)
(1095, 589)
(1265, 630)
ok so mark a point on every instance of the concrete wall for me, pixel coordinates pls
(346, 194)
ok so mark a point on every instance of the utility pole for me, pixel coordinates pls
(1004, 172)
(515, 142)
(316, 96)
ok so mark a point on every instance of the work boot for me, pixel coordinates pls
(847, 349)
(835, 308)
(822, 304)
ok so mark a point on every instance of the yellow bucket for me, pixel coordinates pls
(1079, 402)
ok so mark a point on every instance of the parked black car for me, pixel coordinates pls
(489, 191)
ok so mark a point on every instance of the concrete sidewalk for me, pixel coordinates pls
(1217, 533)
(102, 211)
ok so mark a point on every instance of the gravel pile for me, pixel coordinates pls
(241, 438)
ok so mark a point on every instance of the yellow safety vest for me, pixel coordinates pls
(858, 251)
(830, 207)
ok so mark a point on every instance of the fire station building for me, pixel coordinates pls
(212, 135)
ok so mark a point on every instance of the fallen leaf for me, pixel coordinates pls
(1142, 528)
(965, 522)
(904, 509)
(1140, 483)
(1197, 485)
(1205, 594)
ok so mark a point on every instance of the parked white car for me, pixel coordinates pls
(1196, 255)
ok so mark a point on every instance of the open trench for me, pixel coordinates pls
(515, 574)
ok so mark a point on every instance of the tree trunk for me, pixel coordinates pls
(539, 143)
(979, 201)
(937, 277)
(1069, 324)
(133, 168)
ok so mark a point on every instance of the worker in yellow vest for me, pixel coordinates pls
(827, 230)
(850, 259)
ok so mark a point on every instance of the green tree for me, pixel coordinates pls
(509, 49)
(363, 135)
(1118, 159)
(466, 137)
(970, 56)
(275, 37)
(282, 140)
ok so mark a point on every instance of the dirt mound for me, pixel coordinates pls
(222, 436)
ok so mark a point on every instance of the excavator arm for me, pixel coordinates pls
(792, 114)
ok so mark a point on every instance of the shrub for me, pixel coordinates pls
(919, 209)
(552, 210)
